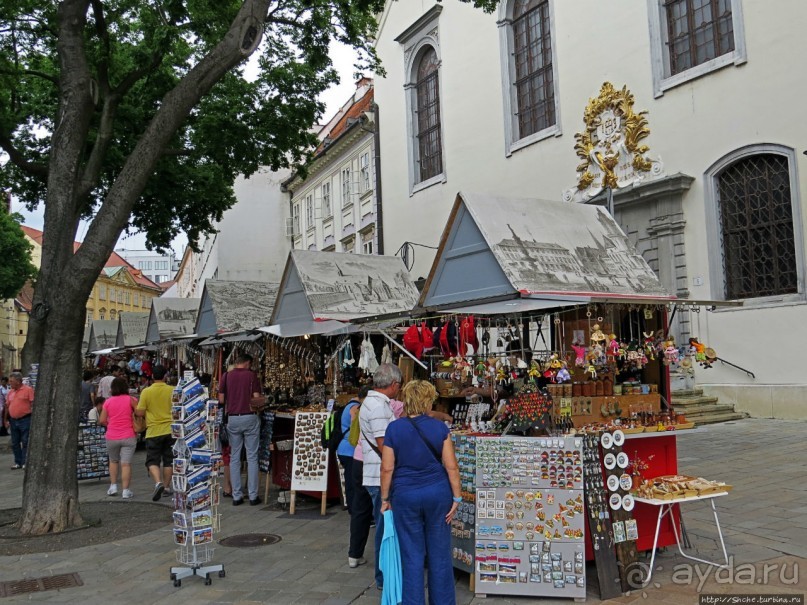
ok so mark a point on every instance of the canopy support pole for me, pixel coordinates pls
(395, 342)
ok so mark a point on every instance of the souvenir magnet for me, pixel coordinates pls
(613, 483)
(619, 438)
(627, 502)
(607, 441)
(615, 501)
(625, 481)
(609, 461)
(622, 460)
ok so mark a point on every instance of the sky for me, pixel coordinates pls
(343, 58)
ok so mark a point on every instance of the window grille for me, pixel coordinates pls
(697, 31)
(535, 88)
(430, 149)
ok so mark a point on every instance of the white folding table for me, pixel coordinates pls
(665, 507)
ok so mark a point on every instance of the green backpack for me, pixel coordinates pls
(355, 431)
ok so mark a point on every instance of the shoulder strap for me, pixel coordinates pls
(437, 456)
(371, 444)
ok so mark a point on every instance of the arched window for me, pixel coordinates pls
(113, 313)
(755, 219)
(427, 116)
(532, 53)
(529, 68)
(102, 313)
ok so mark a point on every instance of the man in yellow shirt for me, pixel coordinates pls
(155, 405)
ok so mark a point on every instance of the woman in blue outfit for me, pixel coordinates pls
(420, 482)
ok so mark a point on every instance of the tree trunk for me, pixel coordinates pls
(50, 491)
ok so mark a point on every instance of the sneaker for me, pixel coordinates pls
(16, 467)
(168, 493)
(127, 494)
(158, 492)
(356, 562)
(113, 490)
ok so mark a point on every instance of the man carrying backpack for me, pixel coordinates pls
(345, 449)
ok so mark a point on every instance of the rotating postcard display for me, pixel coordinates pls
(530, 517)
(197, 462)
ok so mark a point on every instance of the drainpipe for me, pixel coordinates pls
(379, 211)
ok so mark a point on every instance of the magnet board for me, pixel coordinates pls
(309, 471)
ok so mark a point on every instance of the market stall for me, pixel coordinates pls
(548, 307)
(310, 359)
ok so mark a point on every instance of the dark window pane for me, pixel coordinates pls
(756, 220)
(697, 31)
(429, 143)
(535, 92)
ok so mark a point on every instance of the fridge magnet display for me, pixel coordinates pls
(628, 502)
(631, 530)
(625, 481)
(622, 460)
(619, 438)
(613, 483)
(310, 460)
(615, 501)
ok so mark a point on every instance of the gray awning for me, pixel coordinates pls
(301, 328)
(516, 305)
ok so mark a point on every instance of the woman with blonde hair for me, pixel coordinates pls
(420, 482)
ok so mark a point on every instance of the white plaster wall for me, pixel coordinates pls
(692, 126)
(252, 243)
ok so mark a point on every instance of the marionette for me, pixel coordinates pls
(580, 355)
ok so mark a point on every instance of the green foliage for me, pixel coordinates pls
(15, 250)
(137, 51)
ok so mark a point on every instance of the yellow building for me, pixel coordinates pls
(120, 287)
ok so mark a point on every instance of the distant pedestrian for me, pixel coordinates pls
(420, 482)
(3, 392)
(360, 505)
(241, 394)
(155, 406)
(95, 413)
(17, 417)
(375, 416)
(105, 384)
(121, 439)
(87, 395)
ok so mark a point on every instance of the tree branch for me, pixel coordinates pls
(31, 72)
(241, 39)
(92, 169)
(34, 169)
(133, 76)
(103, 33)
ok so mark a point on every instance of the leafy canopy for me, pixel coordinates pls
(137, 51)
(15, 250)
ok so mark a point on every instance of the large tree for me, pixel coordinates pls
(134, 114)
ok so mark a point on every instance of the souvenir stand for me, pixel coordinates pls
(171, 329)
(197, 464)
(586, 366)
(320, 294)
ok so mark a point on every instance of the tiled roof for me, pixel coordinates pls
(26, 297)
(354, 112)
(114, 260)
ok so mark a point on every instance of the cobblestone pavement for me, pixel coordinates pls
(764, 520)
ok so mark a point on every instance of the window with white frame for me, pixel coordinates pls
(327, 208)
(367, 239)
(127, 297)
(425, 132)
(758, 252)
(309, 211)
(530, 68)
(346, 188)
(111, 294)
(690, 38)
(364, 169)
(120, 296)
(102, 313)
(295, 219)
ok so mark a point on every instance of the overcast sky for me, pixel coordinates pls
(343, 59)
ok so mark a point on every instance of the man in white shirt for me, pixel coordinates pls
(374, 417)
(105, 385)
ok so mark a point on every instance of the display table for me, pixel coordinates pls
(668, 508)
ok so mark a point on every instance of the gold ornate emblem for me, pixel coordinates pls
(611, 145)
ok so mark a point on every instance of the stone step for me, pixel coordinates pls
(687, 393)
(693, 401)
(693, 411)
(716, 418)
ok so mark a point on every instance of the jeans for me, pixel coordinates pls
(375, 495)
(244, 432)
(362, 512)
(19, 437)
(425, 537)
(347, 465)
